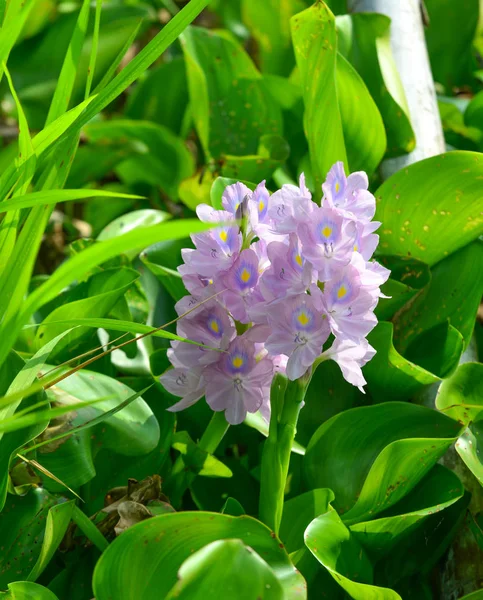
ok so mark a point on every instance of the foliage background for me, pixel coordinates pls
(104, 100)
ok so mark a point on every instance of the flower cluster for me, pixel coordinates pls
(278, 279)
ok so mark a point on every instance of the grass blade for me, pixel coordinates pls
(16, 14)
(55, 196)
(65, 84)
(95, 42)
(89, 529)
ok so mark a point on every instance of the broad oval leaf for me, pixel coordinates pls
(340, 553)
(201, 577)
(26, 590)
(143, 562)
(373, 456)
(431, 208)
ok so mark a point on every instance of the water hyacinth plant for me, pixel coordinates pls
(288, 274)
(240, 300)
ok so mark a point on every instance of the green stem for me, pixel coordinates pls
(182, 477)
(286, 401)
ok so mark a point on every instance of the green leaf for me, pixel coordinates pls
(89, 529)
(298, 512)
(272, 151)
(450, 50)
(364, 134)
(200, 575)
(473, 116)
(218, 188)
(143, 562)
(232, 507)
(162, 159)
(153, 100)
(94, 49)
(196, 459)
(315, 45)
(13, 22)
(340, 553)
(58, 519)
(26, 590)
(72, 458)
(15, 376)
(269, 25)
(370, 53)
(453, 294)
(478, 595)
(440, 196)
(144, 59)
(65, 83)
(25, 539)
(226, 90)
(381, 462)
(389, 375)
(439, 489)
(54, 196)
(461, 395)
(99, 294)
(408, 277)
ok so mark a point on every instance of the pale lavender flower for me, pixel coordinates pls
(288, 274)
(238, 383)
(234, 195)
(349, 306)
(240, 281)
(290, 206)
(350, 194)
(298, 330)
(350, 357)
(188, 383)
(211, 326)
(327, 241)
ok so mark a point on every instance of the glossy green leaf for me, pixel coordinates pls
(72, 458)
(456, 133)
(14, 19)
(478, 595)
(227, 90)
(269, 25)
(200, 575)
(461, 396)
(370, 53)
(473, 116)
(470, 447)
(450, 48)
(364, 134)
(340, 553)
(28, 544)
(26, 590)
(440, 197)
(408, 277)
(389, 375)
(315, 44)
(58, 519)
(298, 512)
(369, 462)
(272, 151)
(439, 489)
(453, 295)
(144, 560)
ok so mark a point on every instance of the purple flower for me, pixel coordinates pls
(240, 280)
(216, 249)
(210, 326)
(350, 357)
(185, 382)
(327, 241)
(290, 206)
(349, 194)
(288, 274)
(298, 330)
(238, 383)
(349, 306)
(234, 195)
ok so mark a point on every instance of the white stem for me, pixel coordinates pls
(411, 57)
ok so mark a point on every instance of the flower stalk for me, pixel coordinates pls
(286, 401)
